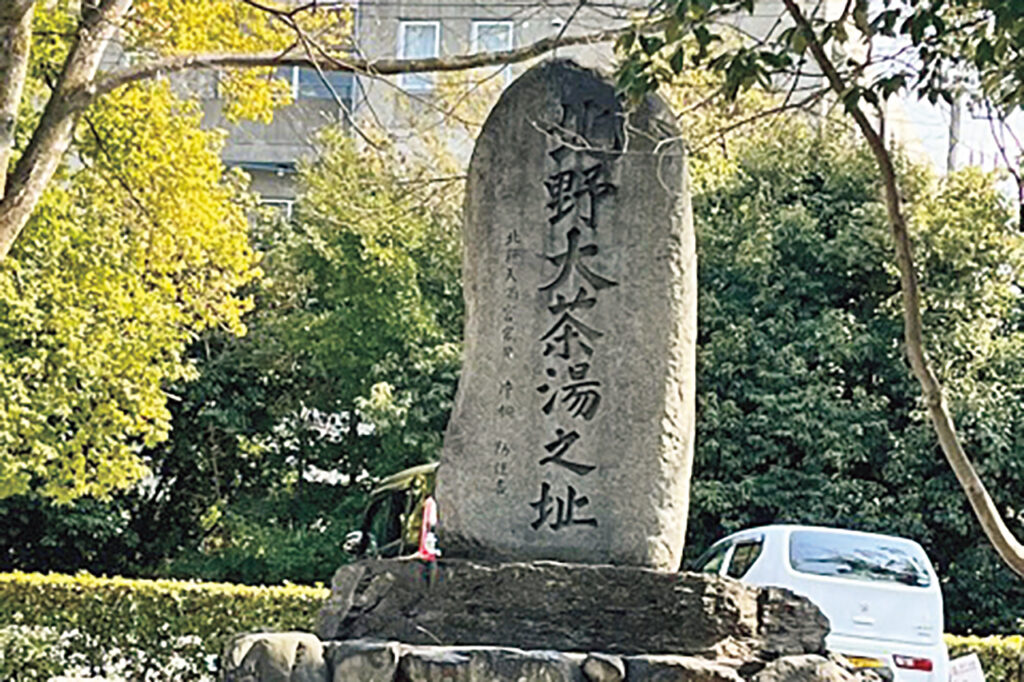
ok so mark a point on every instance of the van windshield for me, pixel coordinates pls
(858, 557)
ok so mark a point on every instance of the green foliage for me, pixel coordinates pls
(135, 248)
(1002, 657)
(31, 653)
(346, 375)
(37, 534)
(979, 38)
(973, 41)
(807, 412)
(136, 629)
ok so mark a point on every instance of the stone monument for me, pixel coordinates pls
(572, 433)
(570, 445)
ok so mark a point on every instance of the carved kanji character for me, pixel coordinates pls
(572, 259)
(567, 330)
(584, 123)
(580, 301)
(583, 398)
(565, 508)
(506, 389)
(568, 188)
(558, 447)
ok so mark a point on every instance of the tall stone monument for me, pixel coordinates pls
(572, 433)
(571, 438)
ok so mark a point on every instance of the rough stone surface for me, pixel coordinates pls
(367, 660)
(666, 668)
(604, 668)
(473, 664)
(806, 668)
(364, 660)
(274, 657)
(551, 605)
(571, 436)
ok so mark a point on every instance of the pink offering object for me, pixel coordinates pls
(428, 550)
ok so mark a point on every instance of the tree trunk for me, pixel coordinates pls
(1006, 545)
(15, 45)
(53, 135)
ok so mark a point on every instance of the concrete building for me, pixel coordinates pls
(403, 104)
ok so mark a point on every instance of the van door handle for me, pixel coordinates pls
(863, 620)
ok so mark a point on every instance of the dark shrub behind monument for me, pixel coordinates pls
(572, 433)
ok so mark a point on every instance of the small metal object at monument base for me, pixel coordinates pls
(572, 432)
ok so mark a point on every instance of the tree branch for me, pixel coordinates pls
(53, 134)
(342, 62)
(78, 87)
(15, 46)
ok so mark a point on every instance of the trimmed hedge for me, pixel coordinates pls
(135, 629)
(1002, 657)
(161, 630)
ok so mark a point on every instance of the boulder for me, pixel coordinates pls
(568, 607)
(472, 664)
(274, 657)
(666, 668)
(604, 668)
(364, 660)
(571, 437)
(806, 668)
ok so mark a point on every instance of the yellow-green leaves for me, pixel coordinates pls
(172, 27)
(140, 247)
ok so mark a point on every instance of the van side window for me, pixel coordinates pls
(711, 561)
(743, 557)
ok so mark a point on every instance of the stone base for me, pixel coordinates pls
(568, 607)
(544, 621)
(267, 660)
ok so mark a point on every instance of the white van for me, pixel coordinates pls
(879, 593)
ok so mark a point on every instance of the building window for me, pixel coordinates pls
(493, 36)
(418, 40)
(306, 83)
(309, 84)
(280, 207)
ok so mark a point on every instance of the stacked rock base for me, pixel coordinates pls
(300, 657)
(542, 621)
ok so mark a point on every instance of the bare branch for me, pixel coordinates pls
(787, 105)
(79, 86)
(343, 63)
(1000, 127)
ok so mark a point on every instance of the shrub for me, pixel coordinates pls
(1002, 657)
(151, 630)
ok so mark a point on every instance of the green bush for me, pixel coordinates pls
(150, 630)
(1002, 657)
(31, 653)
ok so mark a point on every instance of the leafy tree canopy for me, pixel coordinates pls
(854, 67)
(953, 43)
(806, 411)
(346, 375)
(141, 245)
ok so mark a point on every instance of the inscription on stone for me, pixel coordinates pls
(572, 432)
